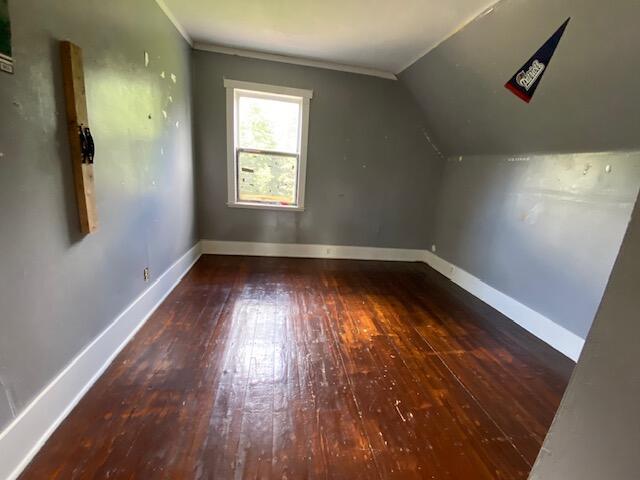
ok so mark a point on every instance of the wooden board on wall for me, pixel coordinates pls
(78, 120)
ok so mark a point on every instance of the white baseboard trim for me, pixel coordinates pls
(542, 327)
(299, 250)
(566, 342)
(22, 439)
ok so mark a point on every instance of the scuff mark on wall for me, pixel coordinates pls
(9, 396)
(531, 217)
(485, 13)
(433, 145)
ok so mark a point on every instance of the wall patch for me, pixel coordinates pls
(525, 82)
(6, 59)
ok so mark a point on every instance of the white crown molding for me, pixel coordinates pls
(306, 62)
(174, 20)
(272, 57)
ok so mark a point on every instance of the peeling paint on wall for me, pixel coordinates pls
(121, 92)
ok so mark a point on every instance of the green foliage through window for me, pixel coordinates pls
(267, 178)
(271, 127)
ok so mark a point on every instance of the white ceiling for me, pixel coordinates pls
(386, 35)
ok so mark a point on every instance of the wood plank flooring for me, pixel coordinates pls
(298, 368)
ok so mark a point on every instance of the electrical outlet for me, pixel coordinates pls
(146, 274)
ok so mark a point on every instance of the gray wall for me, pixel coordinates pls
(58, 290)
(544, 229)
(371, 173)
(596, 432)
(587, 101)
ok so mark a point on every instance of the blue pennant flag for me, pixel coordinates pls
(525, 82)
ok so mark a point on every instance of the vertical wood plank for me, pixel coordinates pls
(77, 117)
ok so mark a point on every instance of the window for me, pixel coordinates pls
(267, 130)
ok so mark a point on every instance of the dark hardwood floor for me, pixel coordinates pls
(295, 368)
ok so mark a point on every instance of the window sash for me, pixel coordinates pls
(237, 94)
(266, 152)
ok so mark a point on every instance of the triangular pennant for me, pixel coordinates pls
(525, 82)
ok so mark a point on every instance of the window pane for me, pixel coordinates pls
(268, 124)
(266, 178)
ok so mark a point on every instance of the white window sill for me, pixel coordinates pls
(262, 206)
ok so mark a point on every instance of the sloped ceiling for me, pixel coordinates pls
(378, 34)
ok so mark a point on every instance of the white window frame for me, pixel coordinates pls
(272, 91)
